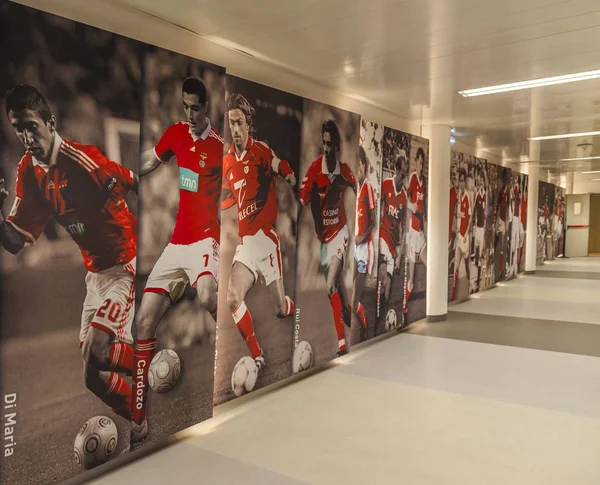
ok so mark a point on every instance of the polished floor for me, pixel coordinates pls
(507, 391)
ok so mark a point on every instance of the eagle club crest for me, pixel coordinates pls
(203, 157)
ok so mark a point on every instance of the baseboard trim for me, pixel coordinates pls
(437, 318)
(530, 272)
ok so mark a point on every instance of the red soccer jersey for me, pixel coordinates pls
(84, 191)
(416, 194)
(200, 161)
(546, 212)
(453, 199)
(465, 214)
(394, 213)
(325, 193)
(523, 210)
(365, 203)
(249, 182)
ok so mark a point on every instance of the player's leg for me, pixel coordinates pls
(241, 280)
(271, 268)
(360, 279)
(106, 336)
(283, 305)
(336, 265)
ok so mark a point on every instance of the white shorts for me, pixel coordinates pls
(110, 302)
(462, 244)
(416, 244)
(337, 248)
(516, 232)
(261, 254)
(385, 253)
(501, 226)
(180, 264)
(479, 233)
(363, 255)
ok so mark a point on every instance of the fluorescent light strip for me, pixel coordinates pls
(568, 135)
(577, 159)
(592, 171)
(534, 83)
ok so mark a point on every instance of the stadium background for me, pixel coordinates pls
(186, 328)
(277, 122)
(92, 81)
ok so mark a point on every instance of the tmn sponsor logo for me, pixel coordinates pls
(188, 180)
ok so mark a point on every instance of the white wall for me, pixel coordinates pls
(582, 184)
(146, 28)
(577, 239)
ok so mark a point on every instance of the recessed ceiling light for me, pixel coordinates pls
(592, 171)
(534, 83)
(595, 180)
(577, 159)
(567, 135)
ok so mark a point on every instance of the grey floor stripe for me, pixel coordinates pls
(530, 333)
(576, 275)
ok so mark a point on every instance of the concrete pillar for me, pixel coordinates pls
(532, 209)
(437, 222)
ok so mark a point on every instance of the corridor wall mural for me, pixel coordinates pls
(176, 237)
(487, 225)
(551, 222)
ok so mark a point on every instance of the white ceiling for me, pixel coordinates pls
(412, 56)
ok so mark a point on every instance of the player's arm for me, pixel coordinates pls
(227, 197)
(372, 214)
(11, 239)
(283, 169)
(149, 162)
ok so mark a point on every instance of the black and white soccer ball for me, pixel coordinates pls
(303, 357)
(96, 442)
(391, 320)
(244, 375)
(164, 371)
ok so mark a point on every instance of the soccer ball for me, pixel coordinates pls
(164, 371)
(244, 375)
(96, 442)
(303, 357)
(391, 320)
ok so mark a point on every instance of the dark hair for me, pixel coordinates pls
(330, 127)
(194, 85)
(24, 96)
(421, 153)
(237, 101)
(363, 156)
(462, 172)
(400, 161)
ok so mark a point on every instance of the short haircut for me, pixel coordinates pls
(462, 173)
(25, 96)
(363, 156)
(421, 154)
(237, 101)
(194, 85)
(401, 161)
(330, 127)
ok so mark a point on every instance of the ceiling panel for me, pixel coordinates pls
(411, 57)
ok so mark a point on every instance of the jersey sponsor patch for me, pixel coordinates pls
(188, 180)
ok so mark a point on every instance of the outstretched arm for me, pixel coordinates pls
(149, 163)
(12, 240)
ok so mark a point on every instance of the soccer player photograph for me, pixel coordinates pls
(327, 194)
(85, 193)
(515, 232)
(417, 224)
(452, 220)
(463, 237)
(323, 188)
(258, 200)
(502, 219)
(192, 255)
(392, 230)
(479, 211)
